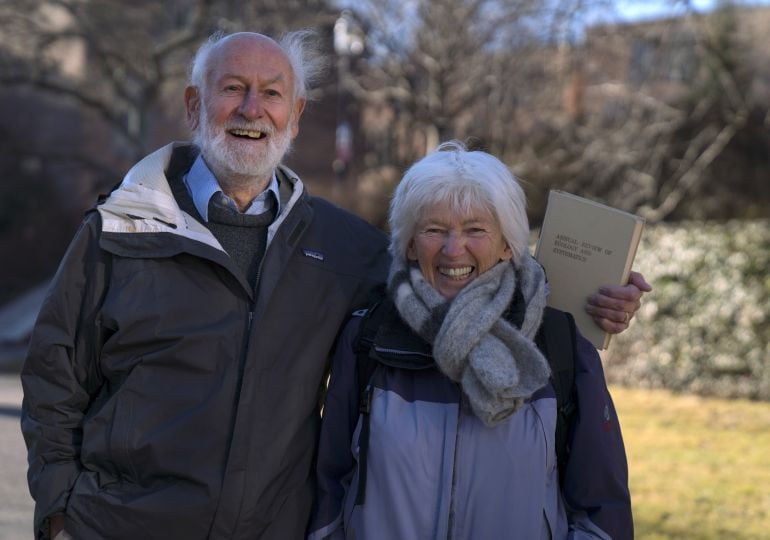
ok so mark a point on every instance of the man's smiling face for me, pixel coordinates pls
(246, 115)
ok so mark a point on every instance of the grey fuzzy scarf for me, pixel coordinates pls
(497, 364)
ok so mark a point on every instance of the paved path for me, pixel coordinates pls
(16, 506)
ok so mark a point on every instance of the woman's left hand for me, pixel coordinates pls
(613, 307)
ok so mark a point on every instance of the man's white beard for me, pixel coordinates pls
(237, 159)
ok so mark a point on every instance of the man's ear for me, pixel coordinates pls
(296, 113)
(192, 102)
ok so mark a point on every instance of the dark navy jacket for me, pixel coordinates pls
(164, 397)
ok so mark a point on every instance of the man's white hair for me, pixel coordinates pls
(300, 47)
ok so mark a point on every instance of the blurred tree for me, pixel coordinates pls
(119, 59)
(433, 65)
(654, 146)
(90, 86)
(639, 115)
(440, 69)
(668, 118)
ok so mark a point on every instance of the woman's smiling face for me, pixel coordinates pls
(452, 249)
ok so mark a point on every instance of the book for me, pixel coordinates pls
(583, 245)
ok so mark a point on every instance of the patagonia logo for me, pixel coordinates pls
(317, 255)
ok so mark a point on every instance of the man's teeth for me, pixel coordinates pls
(457, 272)
(247, 133)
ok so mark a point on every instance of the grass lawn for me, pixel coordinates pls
(699, 468)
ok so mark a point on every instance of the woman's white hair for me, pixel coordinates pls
(462, 180)
(300, 47)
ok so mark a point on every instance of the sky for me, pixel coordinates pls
(654, 8)
(647, 9)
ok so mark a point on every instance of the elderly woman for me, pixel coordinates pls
(454, 435)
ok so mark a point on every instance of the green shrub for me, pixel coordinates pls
(705, 328)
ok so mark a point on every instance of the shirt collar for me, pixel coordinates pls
(202, 186)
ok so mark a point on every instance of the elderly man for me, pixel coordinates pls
(173, 380)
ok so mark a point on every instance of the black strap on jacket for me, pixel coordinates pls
(556, 339)
(365, 366)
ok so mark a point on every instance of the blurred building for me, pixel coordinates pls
(662, 57)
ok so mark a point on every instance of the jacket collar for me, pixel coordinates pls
(397, 345)
(144, 202)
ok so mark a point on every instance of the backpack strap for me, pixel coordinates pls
(365, 368)
(557, 339)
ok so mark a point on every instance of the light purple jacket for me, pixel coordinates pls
(434, 470)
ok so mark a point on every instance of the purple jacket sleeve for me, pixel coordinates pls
(596, 477)
(336, 463)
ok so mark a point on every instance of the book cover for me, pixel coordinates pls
(583, 245)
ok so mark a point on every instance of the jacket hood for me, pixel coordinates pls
(144, 202)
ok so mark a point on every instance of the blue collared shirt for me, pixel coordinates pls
(202, 186)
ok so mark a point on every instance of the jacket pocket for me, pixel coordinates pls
(120, 445)
(545, 410)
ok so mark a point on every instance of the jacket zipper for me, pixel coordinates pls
(249, 326)
(247, 338)
(236, 404)
(245, 350)
(400, 352)
(451, 524)
(244, 356)
(250, 320)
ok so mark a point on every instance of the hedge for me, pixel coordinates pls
(705, 328)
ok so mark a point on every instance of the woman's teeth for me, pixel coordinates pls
(456, 273)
